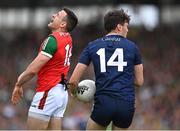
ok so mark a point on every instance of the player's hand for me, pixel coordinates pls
(16, 95)
(73, 88)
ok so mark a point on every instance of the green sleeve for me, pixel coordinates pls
(49, 46)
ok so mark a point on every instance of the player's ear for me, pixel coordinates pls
(119, 27)
(63, 24)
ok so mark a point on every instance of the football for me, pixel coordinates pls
(86, 90)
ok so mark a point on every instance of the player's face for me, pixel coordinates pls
(125, 29)
(58, 20)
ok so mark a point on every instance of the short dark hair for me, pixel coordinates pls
(113, 18)
(72, 19)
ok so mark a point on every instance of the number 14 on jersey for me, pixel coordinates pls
(120, 63)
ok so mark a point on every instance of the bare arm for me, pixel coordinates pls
(27, 75)
(75, 78)
(32, 69)
(139, 78)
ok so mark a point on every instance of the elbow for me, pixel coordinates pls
(139, 83)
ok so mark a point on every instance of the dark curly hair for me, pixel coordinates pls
(113, 18)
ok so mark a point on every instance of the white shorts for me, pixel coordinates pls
(49, 104)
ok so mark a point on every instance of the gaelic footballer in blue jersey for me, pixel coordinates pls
(118, 69)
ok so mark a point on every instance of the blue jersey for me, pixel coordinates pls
(113, 59)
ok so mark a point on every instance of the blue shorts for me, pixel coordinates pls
(107, 109)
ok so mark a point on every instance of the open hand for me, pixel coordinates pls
(16, 95)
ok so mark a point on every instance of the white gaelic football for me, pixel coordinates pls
(86, 90)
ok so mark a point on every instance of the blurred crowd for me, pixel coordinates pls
(157, 103)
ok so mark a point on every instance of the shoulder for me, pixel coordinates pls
(49, 47)
(49, 41)
(130, 43)
(52, 38)
(95, 42)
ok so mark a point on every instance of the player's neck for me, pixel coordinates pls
(60, 31)
(114, 33)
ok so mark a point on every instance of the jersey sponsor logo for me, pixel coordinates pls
(111, 39)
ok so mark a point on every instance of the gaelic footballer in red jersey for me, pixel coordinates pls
(51, 74)
(51, 66)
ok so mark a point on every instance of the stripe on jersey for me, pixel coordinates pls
(50, 45)
(46, 54)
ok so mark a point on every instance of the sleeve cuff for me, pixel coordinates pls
(46, 54)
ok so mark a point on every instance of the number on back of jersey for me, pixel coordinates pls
(118, 53)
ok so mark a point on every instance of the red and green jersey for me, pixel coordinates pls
(58, 47)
